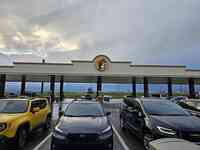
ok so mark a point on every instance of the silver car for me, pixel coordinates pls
(172, 144)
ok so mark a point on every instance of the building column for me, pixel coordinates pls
(23, 85)
(42, 88)
(61, 95)
(99, 85)
(191, 88)
(2, 85)
(134, 87)
(146, 87)
(170, 93)
(52, 88)
(61, 88)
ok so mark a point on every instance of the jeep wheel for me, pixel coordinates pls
(21, 138)
(47, 125)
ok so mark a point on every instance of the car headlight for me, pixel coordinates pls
(58, 133)
(3, 126)
(106, 133)
(166, 130)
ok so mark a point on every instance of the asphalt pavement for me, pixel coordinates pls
(123, 140)
(130, 140)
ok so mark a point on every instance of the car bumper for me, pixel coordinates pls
(4, 141)
(58, 144)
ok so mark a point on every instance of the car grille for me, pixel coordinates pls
(82, 138)
(191, 136)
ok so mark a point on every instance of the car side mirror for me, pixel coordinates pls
(108, 113)
(140, 114)
(35, 109)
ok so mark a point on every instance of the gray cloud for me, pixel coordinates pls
(143, 31)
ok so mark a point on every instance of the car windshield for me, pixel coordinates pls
(84, 110)
(13, 106)
(164, 108)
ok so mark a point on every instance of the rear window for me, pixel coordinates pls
(13, 106)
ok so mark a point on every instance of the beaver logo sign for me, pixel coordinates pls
(102, 63)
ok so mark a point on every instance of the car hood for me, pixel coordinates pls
(9, 117)
(83, 124)
(184, 123)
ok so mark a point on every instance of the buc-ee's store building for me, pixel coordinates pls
(99, 70)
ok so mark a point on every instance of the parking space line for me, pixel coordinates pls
(124, 145)
(43, 142)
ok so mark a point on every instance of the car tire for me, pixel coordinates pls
(53, 147)
(147, 138)
(122, 123)
(111, 148)
(21, 138)
(47, 125)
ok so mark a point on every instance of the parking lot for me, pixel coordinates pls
(41, 140)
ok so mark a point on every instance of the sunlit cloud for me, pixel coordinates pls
(37, 41)
(42, 34)
(2, 45)
(16, 38)
(122, 29)
(64, 46)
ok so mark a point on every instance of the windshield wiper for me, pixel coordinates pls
(88, 116)
(176, 115)
(157, 114)
(71, 116)
(168, 114)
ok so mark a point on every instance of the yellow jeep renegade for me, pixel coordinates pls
(18, 117)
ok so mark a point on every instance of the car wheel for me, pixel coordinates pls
(111, 147)
(53, 147)
(122, 124)
(21, 140)
(146, 140)
(47, 125)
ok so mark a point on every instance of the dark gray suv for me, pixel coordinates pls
(151, 119)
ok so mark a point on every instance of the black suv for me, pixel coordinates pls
(151, 119)
(84, 125)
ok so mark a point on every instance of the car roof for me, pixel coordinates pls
(22, 99)
(85, 102)
(153, 99)
(14, 99)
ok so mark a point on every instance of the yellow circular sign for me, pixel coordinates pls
(102, 63)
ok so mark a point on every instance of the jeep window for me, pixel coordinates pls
(43, 104)
(35, 103)
(84, 110)
(13, 106)
(164, 108)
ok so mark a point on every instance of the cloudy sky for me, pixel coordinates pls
(142, 31)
